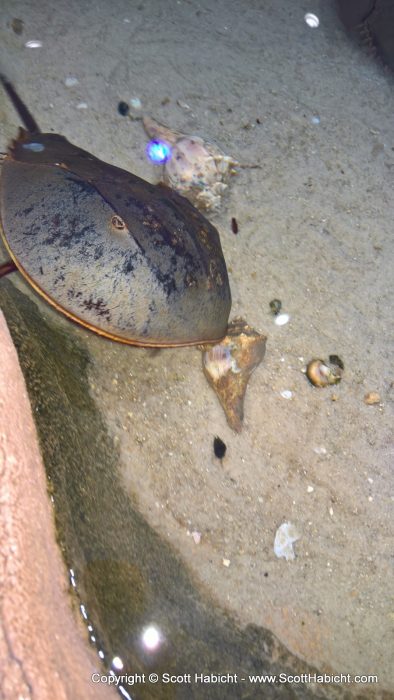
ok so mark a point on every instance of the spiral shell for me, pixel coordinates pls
(197, 169)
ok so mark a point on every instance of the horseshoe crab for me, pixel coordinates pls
(134, 262)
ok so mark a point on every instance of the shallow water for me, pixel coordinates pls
(124, 577)
(315, 219)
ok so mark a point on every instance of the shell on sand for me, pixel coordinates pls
(229, 365)
(197, 169)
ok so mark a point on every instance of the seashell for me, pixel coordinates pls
(285, 537)
(371, 398)
(196, 169)
(321, 374)
(229, 365)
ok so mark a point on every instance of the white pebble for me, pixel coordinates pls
(331, 511)
(320, 450)
(183, 105)
(281, 319)
(71, 81)
(136, 103)
(285, 536)
(82, 105)
(196, 536)
(311, 20)
(33, 44)
(310, 489)
(315, 119)
(226, 562)
(286, 394)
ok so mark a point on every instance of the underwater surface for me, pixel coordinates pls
(167, 537)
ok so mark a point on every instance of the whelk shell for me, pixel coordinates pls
(197, 169)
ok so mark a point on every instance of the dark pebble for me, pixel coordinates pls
(275, 306)
(219, 447)
(123, 109)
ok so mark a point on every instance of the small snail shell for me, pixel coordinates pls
(321, 375)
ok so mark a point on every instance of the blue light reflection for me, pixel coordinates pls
(158, 152)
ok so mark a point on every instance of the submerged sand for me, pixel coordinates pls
(315, 230)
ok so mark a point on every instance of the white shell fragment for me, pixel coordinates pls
(71, 81)
(197, 169)
(281, 319)
(286, 394)
(311, 20)
(135, 103)
(33, 44)
(196, 536)
(285, 536)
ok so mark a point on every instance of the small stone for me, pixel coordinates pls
(311, 20)
(285, 536)
(183, 105)
(320, 450)
(310, 489)
(123, 108)
(226, 562)
(71, 81)
(371, 398)
(82, 105)
(136, 103)
(196, 536)
(286, 394)
(281, 319)
(219, 447)
(33, 44)
(17, 25)
(275, 306)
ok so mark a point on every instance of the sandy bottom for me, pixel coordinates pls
(315, 230)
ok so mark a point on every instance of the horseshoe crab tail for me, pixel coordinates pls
(28, 120)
